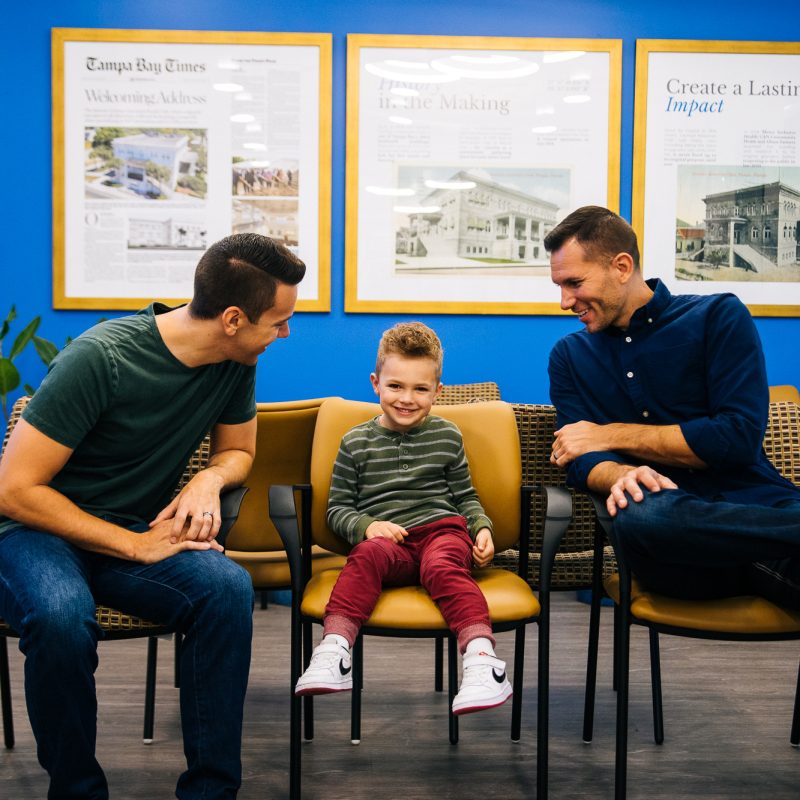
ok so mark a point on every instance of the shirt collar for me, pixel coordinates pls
(648, 313)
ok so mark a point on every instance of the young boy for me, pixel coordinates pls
(401, 492)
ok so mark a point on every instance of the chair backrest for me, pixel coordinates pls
(491, 443)
(782, 439)
(283, 456)
(457, 393)
(784, 392)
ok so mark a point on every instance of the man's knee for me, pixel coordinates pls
(233, 585)
(64, 621)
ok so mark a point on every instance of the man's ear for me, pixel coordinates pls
(232, 318)
(623, 264)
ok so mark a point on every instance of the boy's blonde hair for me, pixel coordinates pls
(411, 340)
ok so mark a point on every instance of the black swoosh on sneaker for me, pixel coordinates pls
(499, 678)
(342, 669)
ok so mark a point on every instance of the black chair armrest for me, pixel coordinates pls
(230, 503)
(283, 513)
(558, 515)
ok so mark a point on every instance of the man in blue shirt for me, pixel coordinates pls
(662, 406)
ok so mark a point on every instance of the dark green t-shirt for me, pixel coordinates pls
(133, 415)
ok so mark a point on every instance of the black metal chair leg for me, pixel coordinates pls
(295, 706)
(591, 666)
(623, 635)
(452, 685)
(438, 667)
(519, 669)
(615, 650)
(177, 666)
(794, 737)
(543, 703)
(264, 599)
(655, 681)
(308, 700)
(5, 695)
(150, 689)
(358, 683)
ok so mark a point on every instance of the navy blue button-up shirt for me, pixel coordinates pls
(690, 360)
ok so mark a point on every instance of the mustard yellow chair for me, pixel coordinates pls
(784, 392)
(492, 446)
(746, 618)
(283, 455)
(115, 624)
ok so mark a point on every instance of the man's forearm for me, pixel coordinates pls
(604, 475)
(44, 509)
(230, 467)
(662, 444)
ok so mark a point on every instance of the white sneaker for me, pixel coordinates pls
(330, 670)
(483, 685)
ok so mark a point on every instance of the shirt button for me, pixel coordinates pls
(645, 414)
(630, 374)
(405, 466)
(405, 451)
(628, 339)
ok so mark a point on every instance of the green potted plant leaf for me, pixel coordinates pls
(9, 375)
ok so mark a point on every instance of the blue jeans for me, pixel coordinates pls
(683, 546)
(48, 592)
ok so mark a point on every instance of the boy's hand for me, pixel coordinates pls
(483, 549)
(387, 530)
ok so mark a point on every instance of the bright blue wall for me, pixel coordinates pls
(332, 353)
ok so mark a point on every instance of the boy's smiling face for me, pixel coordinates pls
(406, 388)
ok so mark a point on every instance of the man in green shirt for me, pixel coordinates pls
(86, 515)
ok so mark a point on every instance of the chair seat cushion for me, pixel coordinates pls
(745, 614)
(270, 569)
(410, 607)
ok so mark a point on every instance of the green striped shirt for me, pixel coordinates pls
(410, 478)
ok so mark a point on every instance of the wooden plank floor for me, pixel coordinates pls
(727, 708)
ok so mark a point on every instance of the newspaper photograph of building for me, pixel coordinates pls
(476, 219)
(749, 230)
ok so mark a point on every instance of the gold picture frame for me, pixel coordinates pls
(165, 141)
(499, 117)
(716, 178)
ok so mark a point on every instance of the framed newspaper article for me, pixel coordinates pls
(166, 141)
(716, 173)
(462, 154)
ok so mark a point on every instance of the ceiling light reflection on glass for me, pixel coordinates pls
(242, 118)
(485, 68)
(404, 91)
(577, 98)
(229, 87)
(563, 55)
(401, 120)
(254, 146)
(408, 71)
(544, 129)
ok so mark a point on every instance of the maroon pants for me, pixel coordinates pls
(437, 555)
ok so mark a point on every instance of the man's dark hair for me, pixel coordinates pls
(601, 233)
(243, 270)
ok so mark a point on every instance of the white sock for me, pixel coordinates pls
(481, 644)
(340, 640)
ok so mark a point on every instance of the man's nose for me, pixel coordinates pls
(567, 299)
